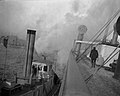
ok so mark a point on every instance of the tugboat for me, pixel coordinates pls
(38, 79)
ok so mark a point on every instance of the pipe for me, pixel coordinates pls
(115, 36)
(29, 53)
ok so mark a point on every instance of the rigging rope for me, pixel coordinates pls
(98, 43)
(100, 32)
(111, 57)
(108, 34)
(107, 59)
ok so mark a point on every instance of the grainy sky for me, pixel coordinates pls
(56, 21)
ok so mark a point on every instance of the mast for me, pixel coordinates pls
(82, 30)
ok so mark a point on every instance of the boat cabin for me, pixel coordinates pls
(43, 70)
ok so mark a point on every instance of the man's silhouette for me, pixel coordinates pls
(93, 56)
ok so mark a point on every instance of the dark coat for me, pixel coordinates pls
(94, 54)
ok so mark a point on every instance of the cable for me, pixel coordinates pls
(111, 54)
(111, 57)
(106, 37)
(108, 34)
(86, 80)
(91, 44)
(109, 21)
(106, 24)
(100, 32)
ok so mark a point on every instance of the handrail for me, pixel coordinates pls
(63, 81)
(39, 89)
(73, 84)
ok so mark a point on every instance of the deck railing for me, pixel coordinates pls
(41, 90)
(73, 82)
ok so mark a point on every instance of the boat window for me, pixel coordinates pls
(45, 68)
(40, 68)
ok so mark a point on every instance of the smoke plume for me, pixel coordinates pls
(56, 21)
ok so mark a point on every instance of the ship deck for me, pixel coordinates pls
(101, 84)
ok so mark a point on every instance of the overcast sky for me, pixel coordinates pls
(56, 21)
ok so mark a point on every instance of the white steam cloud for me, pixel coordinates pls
(56, 21)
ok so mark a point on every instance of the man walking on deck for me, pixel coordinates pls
(93, 56)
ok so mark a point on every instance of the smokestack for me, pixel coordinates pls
(29, 52)
(115, 35)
